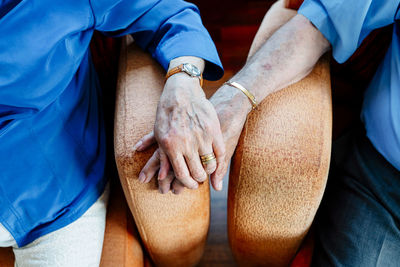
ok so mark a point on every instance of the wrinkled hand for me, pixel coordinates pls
(232, 108)
(186, 127)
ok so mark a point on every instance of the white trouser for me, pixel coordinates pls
(78, 244)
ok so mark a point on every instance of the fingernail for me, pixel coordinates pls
(173, 191)
(142, 177)
(160, 190)
(219, 186)
(195, 185)
(137, 146)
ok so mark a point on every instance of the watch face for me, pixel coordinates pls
(191, 69)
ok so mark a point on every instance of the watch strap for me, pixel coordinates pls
(178, 69)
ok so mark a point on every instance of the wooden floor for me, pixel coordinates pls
(217, 252)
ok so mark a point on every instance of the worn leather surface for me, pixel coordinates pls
(280, 166)
(173, 227)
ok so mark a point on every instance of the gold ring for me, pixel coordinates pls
(205, 159)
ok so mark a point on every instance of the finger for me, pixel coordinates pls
(222, 166)
(165, 185)
(151, 167)
(182, 173)
(145, 142)
(177, 187)
(209, 166)
(217, 181)
(196, 168)
(165, 166)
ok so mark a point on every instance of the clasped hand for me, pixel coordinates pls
(186, 127)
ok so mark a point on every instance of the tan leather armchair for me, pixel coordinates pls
(173, 228)
(280, 166)
(273, 162)
(277, 178)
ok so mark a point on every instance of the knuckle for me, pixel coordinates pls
(175, 161)
(205, 177)
(208, 126)
(182, 179)
(179, 175)
(197, 174)
(189, 183)
(222, 151)
(166, 141)
(211, 168)
(223, 165)
(221, 156)
(201, 176)
(192, 187)
(188, 140)
(222, 170)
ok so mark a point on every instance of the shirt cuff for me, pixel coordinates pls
(318, 16)
(195, 44)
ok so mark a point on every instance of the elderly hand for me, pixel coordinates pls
(232, 108)
(186, 127)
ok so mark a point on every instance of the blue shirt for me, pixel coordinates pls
(52, 149)
(345, 23)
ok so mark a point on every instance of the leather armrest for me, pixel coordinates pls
(173, 227)
(280, 167)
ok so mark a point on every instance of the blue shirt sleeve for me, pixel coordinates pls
(166, 28)
(345, 23)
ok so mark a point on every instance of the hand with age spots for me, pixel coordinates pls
(186, 127)
(232, 109)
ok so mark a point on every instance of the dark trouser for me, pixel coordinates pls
(358, 223)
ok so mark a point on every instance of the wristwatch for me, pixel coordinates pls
(187, 68)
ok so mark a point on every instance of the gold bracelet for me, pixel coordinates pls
(245, 91)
